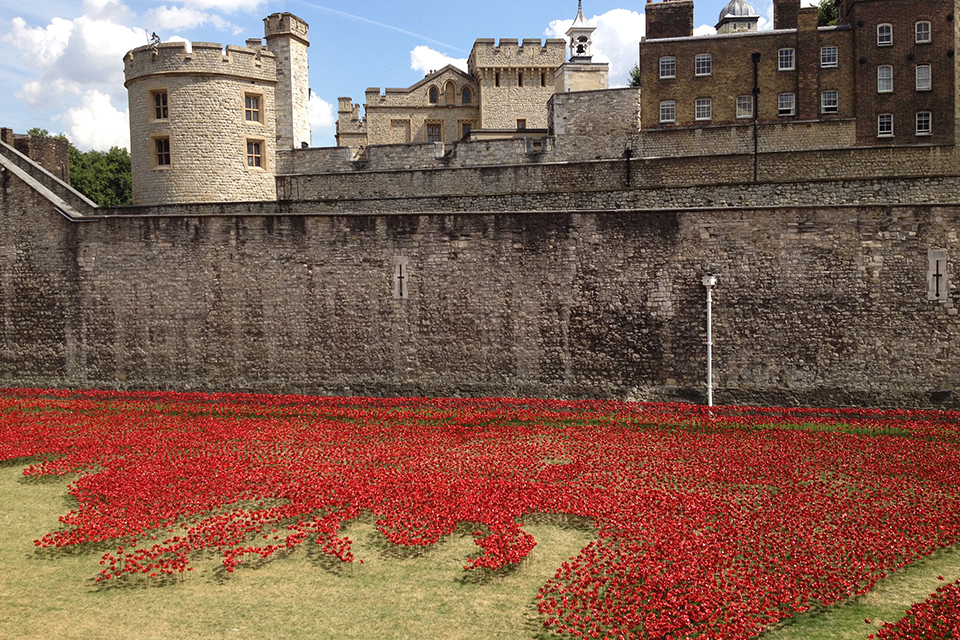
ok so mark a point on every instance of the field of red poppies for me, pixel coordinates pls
(709, 523)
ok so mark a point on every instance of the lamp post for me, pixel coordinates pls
(709, 281)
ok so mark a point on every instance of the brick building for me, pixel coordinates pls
(887, 65)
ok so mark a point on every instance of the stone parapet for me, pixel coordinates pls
(203, 58)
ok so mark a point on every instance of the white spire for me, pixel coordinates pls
(580, 17)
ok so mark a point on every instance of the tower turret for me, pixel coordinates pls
(287, 38)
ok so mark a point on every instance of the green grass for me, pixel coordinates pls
(395, 593)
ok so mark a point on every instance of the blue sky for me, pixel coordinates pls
(63, 70)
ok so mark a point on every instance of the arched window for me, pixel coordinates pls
(434, 95)
(467, 96)
(450, 93)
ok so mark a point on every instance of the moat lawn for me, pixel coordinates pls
(157, 515)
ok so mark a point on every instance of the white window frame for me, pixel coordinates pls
(924, 117)
(703, 109)
(668, 67)
(924, 79)
(885, 78)
(787, 99)
(922, 33)
(786, 59)
(885, 35)
(830, 101)
(829, 56)
(668, 107)
(744, 106)
(885, 125)
(703, 64)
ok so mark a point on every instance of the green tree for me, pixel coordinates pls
(826, 13)
(104, 177)
(635, 76)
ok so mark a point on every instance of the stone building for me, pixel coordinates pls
(887, 66)
(206, 121)
(503, 94)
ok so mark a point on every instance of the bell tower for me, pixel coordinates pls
(580, 33)
(580, 72)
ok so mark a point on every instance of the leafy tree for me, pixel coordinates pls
(635, 75)
(104, 177)
(826, 13)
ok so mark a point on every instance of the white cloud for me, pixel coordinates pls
(36, 93)
(225, 5)
(41, 46)
(704, 30)
(615, 41)
(172, 18)
(96, 123)
(112, 10)
(321, 113)
(425, 60)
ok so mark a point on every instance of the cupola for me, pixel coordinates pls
(737, 16)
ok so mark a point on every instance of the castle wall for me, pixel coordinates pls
(835, 176)
(814, 304)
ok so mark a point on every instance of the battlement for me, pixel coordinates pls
(511, 52)
(202, 58)
(282, 24)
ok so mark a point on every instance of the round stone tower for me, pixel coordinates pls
(205, 121)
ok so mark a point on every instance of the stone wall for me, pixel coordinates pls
(814, 304)
(829, 176)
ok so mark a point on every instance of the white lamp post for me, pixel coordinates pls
(709, 281)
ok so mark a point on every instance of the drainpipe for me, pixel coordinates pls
(709, 281)
(756, 111)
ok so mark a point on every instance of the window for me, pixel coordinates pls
(828, 56)
(158, 101)
(253, 108)
(923, 123)
(668, 111)
(465, 129)
(467, 95)
(520, 79)
(434, 95)
(434, 133)
(703, 64)
(922, 30)
(161, 158)
(786, 60)
(744, 106)
(703, 109)
(829, 102)
(923, 77)
(884, 35)
(668, 67)
(884, 79)
(543, 79)
(786, 104)
(521, 125)
(885, 125)
(255, 149)
(496, 78)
